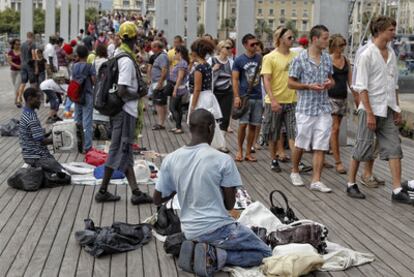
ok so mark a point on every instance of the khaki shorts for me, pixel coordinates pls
(388, 141)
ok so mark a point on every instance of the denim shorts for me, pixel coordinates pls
(254, 113)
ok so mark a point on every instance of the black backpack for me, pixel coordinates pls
(106, 99)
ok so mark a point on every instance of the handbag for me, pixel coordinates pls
(168, 222)
(172, 244)
(286, 216)
(237, 113)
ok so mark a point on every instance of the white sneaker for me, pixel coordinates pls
(319, 186)
(296, 179)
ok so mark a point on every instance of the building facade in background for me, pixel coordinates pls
(16, 4)
(135, 6)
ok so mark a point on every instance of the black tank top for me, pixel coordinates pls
(340, 90)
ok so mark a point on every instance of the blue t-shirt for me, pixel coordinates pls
(31, 136)
(246, 67)
(197, 173)
(79, 72)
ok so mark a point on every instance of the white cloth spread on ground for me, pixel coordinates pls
(338, 257)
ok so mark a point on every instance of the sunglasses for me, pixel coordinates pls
(253, 44)
(228, 47)
(291, 38)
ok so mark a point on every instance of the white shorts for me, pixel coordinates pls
(313, 132)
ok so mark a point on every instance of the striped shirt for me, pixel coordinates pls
(31, 136)
(306, 71)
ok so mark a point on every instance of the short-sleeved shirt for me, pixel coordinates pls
(31, 136)
(50, 52)
(50, 84)
(160, 62)
(206, 73)
(128, 77)
(246, 66)
(15, 59)
(198, 174)
(277, 65)
(181, 65)
(171, 54)
(77, 71)
(26, 53)
(306, 71)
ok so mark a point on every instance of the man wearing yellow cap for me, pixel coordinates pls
(123, 124)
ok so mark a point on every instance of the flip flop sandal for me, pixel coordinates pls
(238, 159)
(172, 130)
(250, 159)
(158, 127)
(178, 132)
(186, 258)
(284, 159)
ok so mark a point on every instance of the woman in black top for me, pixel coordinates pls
(338, 94)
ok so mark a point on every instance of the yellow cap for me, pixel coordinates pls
(127, 30)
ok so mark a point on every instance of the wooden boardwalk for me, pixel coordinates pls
(37, 228)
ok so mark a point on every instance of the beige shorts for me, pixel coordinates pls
(313, 132)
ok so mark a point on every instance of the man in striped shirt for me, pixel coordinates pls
(32, 138)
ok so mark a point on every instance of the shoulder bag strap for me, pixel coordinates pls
(250, 87)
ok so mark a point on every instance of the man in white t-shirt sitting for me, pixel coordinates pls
(52, 88)
(205, 182)
(50, 55)
(123, 124)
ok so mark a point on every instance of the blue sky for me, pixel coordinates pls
(106, 4)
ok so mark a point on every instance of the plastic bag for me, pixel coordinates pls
(28, 179)
(10, 129)
(99, 173)
(172, 244)
(96, 157)
(218, 140)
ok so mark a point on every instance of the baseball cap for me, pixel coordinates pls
(127, 30)
(303, 41)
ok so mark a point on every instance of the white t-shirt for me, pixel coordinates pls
(50, 84)
(128, 77)
(50, 51)
(111, 50)
(98, 62)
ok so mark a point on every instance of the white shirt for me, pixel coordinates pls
(50, 84)
(358, 53)
(111, 50)
(50, 52)
(128, 77)
(379, 78)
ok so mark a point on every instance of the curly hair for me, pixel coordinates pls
(202, 47)
(380, 24)
(13, 42)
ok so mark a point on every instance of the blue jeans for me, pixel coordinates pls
(68, 103)
(53, 99)
(83, 116)
(243, 247)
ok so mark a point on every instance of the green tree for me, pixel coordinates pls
(262, 29)
(292, 26)
(227, 25)
(39, 21)
(90, 14)
(9, 21)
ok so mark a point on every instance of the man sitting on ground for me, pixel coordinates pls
(32, 138)
(205, 181)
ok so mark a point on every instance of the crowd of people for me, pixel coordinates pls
(296, 95)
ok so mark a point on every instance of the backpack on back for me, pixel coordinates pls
(106, 98)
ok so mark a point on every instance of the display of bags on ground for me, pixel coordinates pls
(118, 238)
(96, 157)
(28, 179)
(10, 129)
(286, 216)
(172, 244)
(168, 222)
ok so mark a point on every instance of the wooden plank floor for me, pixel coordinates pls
(37, 228)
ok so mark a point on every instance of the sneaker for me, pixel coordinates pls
(140, 197)
(186, 258)
(205, 260)
(319, 186)
(369, 182)
(304, 168)
(106, 197)
(403, 197)
(296, 179)
(275, 166)
(354, 192)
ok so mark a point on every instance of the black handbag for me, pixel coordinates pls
(168, 222)
(286, 216)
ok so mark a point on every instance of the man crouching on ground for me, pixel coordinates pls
(205, 182)
(32, 137)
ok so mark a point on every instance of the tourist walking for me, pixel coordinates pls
(311, 75)
(27, 70)
(13, 58)
(379, 112)
(178, 78)
(338, 94)
(158, 76)
(246, 82)
(280, 100)
(222, 66)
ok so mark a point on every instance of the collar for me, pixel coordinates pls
(27, 109)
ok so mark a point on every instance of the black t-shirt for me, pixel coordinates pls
(205, 70)
(340, 90)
